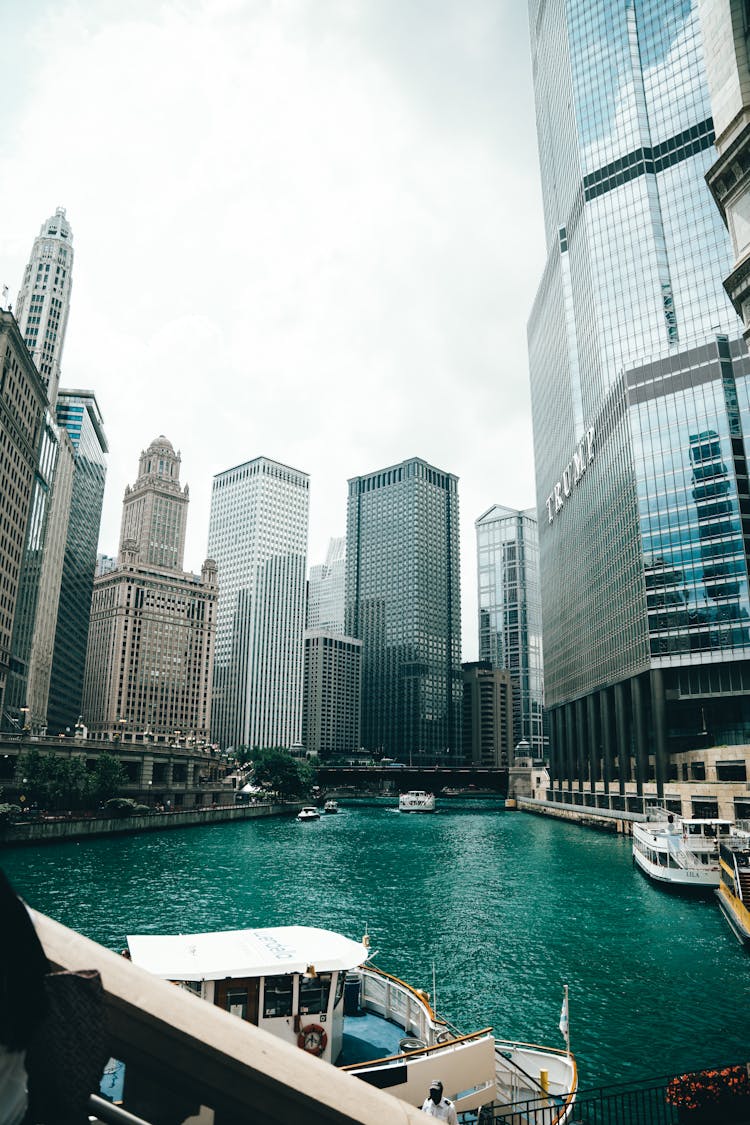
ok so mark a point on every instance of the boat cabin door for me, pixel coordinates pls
(240, 997)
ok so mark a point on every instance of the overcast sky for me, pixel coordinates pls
(309, 229)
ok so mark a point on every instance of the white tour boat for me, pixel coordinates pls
(314, 989)
(416, 800)
(309, 812)
(331, 806)
(679, 852)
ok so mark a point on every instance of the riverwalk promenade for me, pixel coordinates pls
(56, 829)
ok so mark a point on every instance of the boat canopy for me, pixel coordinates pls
(245, 953)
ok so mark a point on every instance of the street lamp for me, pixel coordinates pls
(25, 714)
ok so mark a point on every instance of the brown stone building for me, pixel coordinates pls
(22, 405)
(149, 662)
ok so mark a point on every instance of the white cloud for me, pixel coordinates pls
(310, 230)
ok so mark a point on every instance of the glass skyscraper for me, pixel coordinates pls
(510, 614)
(403, 602)
(639, 383)
(258, 536)
(78, 413)
(325, 590)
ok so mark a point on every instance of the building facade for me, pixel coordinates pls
(22, 406)
(326, 588)
(43, 301)
(331, 696)
(726, 34)
(258, 536)
(403, 602)
(150, 651)
(78, 414)
(639, 385)
(487, 715)
(510, 614)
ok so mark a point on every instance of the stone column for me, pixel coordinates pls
(595, 738)
(607, 747)
(623, 737)
(582, 744)
(659, 720)
(639, 732)
(570, 738)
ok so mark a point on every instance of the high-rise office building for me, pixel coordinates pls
(487, 715)
(35, 620)
(42, 310)
(78, 413)
(639, 384)
(44, 298)
(403, 601)
(726, 35)
(149, 658)
(258, 536)
(23, 402)
(331, 696)
(510, 613)
(326, 588)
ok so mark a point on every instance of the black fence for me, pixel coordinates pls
(632, 1103)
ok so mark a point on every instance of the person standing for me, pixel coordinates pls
(435, 1105)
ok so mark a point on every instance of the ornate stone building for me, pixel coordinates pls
(149, 661)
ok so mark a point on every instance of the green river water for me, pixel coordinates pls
(509, 907)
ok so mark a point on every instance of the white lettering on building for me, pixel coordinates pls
(571, 475)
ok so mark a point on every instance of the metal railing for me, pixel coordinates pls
(641, 1102)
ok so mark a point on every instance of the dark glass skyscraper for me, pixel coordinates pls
(403, 601)
(510, 614)
(640, 400)
(78, 413)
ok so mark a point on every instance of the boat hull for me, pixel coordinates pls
(736, 914)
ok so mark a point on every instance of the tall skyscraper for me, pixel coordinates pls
(258, 536)
(639, 384)
(510, 613)
(326, 589)
(22, 405)
(726, 35)
(331, 696)
(44, 298)
(149, 658)
(35, 620)
(78, 413)
(42, 310)
(487, 723)
(403, 601)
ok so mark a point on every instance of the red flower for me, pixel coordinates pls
(706, 1087)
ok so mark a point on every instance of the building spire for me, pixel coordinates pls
(44, 298)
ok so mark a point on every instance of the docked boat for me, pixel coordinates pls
(733, 893)
(679, 852)
(316, 989)
(309, 812)
(331, 806)
(416, 800)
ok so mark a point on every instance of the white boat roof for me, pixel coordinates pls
(245, 953)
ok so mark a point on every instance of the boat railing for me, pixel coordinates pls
(180, 1052)
(418, 1052)
(397, 1001)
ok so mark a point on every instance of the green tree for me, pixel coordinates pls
(54, 782)
(278, 770)
(108, 778)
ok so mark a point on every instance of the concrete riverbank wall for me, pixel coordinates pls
(605, 820)
(56, 829)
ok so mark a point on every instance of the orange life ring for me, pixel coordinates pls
(312, 1039)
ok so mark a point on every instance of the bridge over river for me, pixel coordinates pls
(399, 777)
